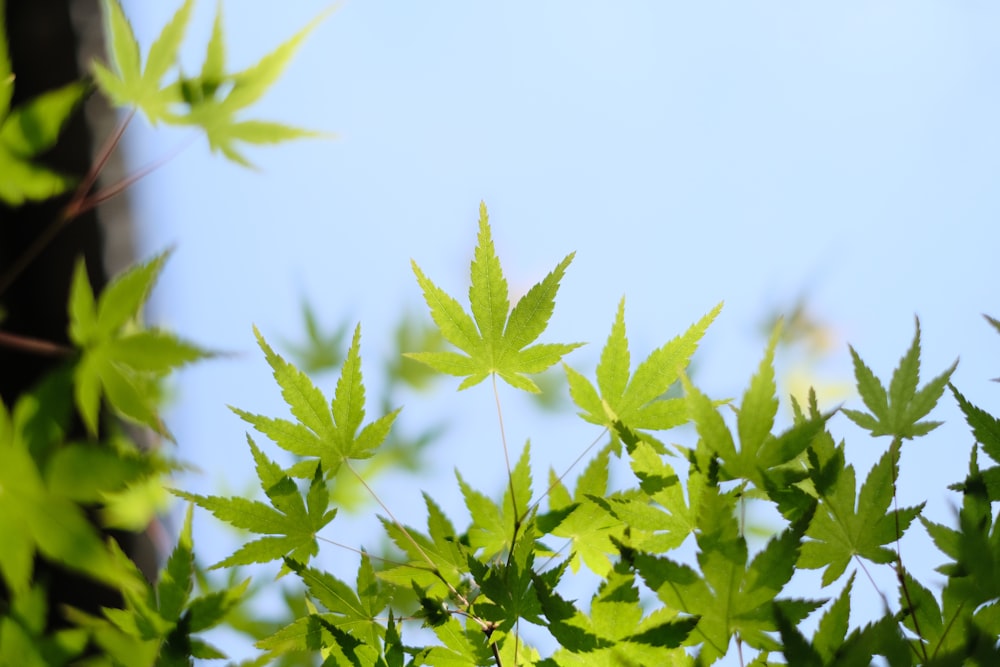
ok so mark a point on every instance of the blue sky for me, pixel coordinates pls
(689, 153)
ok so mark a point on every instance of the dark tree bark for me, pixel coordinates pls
(50, 43)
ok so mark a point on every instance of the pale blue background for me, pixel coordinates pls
(689, 152)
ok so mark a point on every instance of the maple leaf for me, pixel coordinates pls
(135, 85)
(657, 515)
(762, 458)
(37, 519)
(582, 518)
(846, 525)
(442, 546)
(289, 524)
(211, 100)
(161, 621)
(494, 342)
(832, 644)
(728, 595)
(986, 430)
(330, 431)
(616, 631)
(119, 359)
(493, 526)
(28, 131)
(216, 113)
(507, 589)
(637, 402)
(898, 411)
(462, 647)
(348, 608)
(974, 546)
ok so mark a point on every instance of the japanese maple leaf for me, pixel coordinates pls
(841, 531)
(494, 339)
(637, 401)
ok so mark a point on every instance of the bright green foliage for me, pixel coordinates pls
(729, 596)
(763, 459)
(28, 131)
(134, 84)
(494, 337)
(507, 592)
(329, 431)
(24, 641)
(289, 524)
(160, 622)
(494, 526)
(847, 526)
(986, 429)
(461, 647)
(585, 518)
(40, 518)
(120, 359)
(349, 608)
(441, 545)
(637, 402)
(213, 100)
(476, 586)
(616, 631)
(898, 412)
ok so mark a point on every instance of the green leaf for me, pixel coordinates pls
(898, 412)
(120, 360)
(217, 115)
(28, 131)
(107, 471)
(131, 84)
(589, 526)
(507, 588)
(35, 520)
(843, 529)
(637, 403)
(833, 625)
(212, 100)
(762, 458)
(176, 580)
(288, 525)
(347, 611)
(333, 432)
(728, 596)
(462, 647)
(492, 342)
(985, 427)
(755, 418)
(490, 530)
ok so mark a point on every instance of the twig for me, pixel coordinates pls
(34, 345)
(73, 209)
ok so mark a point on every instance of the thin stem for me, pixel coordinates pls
(116, 188)
(506, 456)
(72, 210)
(34, 346)
(496, 654)
(900, 570)
(363, 552)
(572, 465)
(861, 564)
(420, 550)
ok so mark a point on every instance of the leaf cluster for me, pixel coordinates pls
(28, 131)
(213, 100)
(477, 586)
